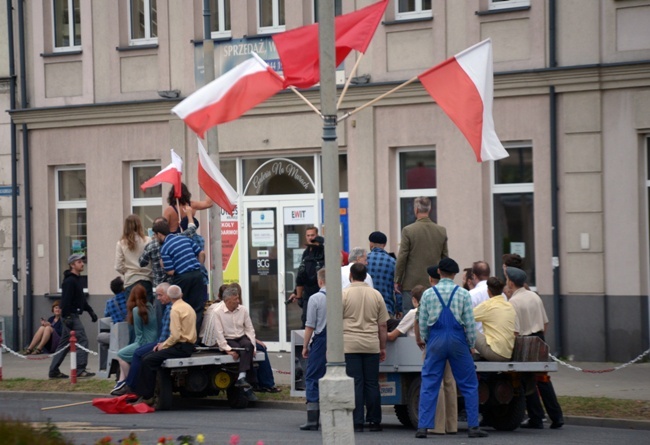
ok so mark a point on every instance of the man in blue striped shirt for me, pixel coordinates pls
(180, 257)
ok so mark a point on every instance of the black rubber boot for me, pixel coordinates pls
(313, 418)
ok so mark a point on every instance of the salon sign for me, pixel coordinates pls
(281, 167)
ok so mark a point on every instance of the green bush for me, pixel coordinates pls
(14, 432)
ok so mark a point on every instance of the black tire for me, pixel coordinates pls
(164, 391)
(402, 413)
(413, 401)
(506, 417)
(236, 398)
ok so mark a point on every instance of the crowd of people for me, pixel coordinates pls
(414, 294)
(384, 296)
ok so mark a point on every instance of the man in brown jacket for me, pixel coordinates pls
(423, 244)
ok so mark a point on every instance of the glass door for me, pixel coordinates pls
(274, 244)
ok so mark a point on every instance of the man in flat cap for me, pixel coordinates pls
(532, 320)
(423, 243)
(381, 267)
(448, 328)
(73, 304)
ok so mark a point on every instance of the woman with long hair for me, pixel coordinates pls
(127, 256)
(142, 316)
(171, 213)
(48, 334)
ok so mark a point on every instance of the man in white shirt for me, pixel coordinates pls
(480, 274)
(357, 255)
(234, 329)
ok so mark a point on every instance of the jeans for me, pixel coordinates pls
(364, 369)
(82, 339)
(136, 363)
(264, 371)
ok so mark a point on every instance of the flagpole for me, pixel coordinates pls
(306, 101)
(212, 146)
(377, 99)
(349, 79)
(178, 211)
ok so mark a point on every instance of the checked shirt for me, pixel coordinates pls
(381, 268)
(461, 306)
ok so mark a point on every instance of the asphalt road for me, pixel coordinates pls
(217, 422)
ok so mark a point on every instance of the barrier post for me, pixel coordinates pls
(73, 358)
(1, 351)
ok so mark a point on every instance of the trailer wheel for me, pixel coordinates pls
(237, 399)
(413, 402)
(164, 391)
(506, 417)
(402, 413)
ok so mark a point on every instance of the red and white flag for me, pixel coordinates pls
(214, 184)
(170, 175)
(229, 96)
(299, 50)
(463, 86)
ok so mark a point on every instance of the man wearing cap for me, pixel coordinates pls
(381, 267)
(73, 304)
(532, 321)
(448, 328)
(423, 243)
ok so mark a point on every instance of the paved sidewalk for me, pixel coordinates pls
(632, 382)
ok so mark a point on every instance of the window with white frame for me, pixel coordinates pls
(143, 18)
(338, 9)
(220, 18)
(70, 190)
(417, 171)
(147, 204)
(412, 9)
(67, 25)
(513, 208)
(270, 16)
(503, 4)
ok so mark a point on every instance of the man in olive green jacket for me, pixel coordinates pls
(423, 244)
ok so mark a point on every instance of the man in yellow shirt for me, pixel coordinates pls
(179, 344)
(498, 316)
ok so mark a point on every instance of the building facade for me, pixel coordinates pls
(572, 107)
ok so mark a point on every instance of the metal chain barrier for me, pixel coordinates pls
(85, 349)
(601, 371)
(281, 372)
(25, 357)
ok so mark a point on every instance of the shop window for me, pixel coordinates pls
(220, 18)
(143, 19)
(67, 25)
(417, 177)
(70, 190)
(506, 4)
(412, 9)
(147, 204)
(338, 9)
(270, 14)
(513, 205)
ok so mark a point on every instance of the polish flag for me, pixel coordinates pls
(299, 50)
(214, 184)
(463, 87)
(170, 175)
(228, 97)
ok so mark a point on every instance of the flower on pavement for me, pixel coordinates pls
(200, 438)
(234, 439)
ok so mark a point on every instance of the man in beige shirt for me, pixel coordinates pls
(234, 329)
(364, 340)
(179, 344)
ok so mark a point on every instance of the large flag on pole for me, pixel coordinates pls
(228, 97)
(214, 184)
(298, 48)
(170, 174)
(463, 86)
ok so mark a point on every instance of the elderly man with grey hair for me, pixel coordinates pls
(236, 335)
(179, 344)
(357, 255)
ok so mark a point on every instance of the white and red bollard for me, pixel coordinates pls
(1, 351)
(73, 358)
